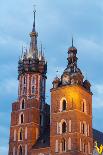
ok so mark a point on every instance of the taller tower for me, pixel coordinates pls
(27, 117)
(71, 111)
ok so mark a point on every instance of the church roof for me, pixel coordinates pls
(98, 136)
(44, 139)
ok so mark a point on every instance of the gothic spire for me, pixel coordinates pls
(33, 30)
(33, 35)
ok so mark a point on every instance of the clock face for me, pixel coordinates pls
(66, 79)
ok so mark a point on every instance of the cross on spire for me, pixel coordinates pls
(34, 11)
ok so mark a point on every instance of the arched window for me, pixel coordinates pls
(64, 105)
(83, 128)
(20, 134)
(33, 89)
(63, 127)
(84, 148)
(22, 105)
(20, 150)
(21, 118)
(63, 145)
(84, 106)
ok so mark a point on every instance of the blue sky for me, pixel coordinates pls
(56, 22)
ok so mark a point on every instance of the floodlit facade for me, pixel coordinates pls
(66, 129)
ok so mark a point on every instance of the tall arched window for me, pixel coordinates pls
(20, 150)
(63, 145)
(63, 127)
(64, 105)
(21, 118)
(84, 106)
(20, 134)
(22, 105)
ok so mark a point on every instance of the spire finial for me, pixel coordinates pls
(72, 41)
(34, 11)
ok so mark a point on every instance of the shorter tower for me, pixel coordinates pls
(28, 115)
(71, 111)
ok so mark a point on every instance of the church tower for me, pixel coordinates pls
(71, 111)
(28, 115)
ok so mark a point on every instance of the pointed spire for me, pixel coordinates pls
(33, 35)
(33, 30)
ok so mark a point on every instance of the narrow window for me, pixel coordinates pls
(63, 127)
(63, 145)
(20, 134)
(33, 89)
(22, 104)
(20, 151)
(84, 106)
(22, 118)
(64, 105)
(83, 128)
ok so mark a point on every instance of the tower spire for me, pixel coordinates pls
(34, 19)
(33, 35)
